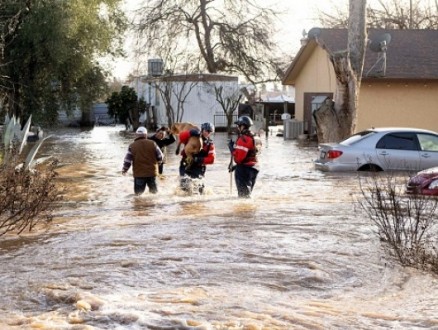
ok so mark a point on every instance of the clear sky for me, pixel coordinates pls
(297, 15)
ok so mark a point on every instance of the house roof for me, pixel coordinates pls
(201, 77)
(278, 99)
(411, 54)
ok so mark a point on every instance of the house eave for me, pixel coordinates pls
(398, 80)
(299, 62)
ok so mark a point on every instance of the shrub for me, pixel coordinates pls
(406, 224)
(26, 196)
(28, 192)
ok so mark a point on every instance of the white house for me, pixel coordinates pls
(195, 91)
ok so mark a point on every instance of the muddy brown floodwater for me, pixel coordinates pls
(298, 255)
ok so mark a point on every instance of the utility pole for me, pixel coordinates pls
(410, 14)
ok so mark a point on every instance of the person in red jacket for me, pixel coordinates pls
(244, 153)
(205, 157)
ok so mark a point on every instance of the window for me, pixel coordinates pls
(357, 137)
(317, 102)
(428, 142)
(398, 141)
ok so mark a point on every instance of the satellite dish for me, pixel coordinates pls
(314, 33)
(380, 43)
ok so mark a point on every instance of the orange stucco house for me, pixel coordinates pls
(399, 84)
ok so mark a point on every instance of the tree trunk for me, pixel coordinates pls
(326, 119)
(334, 123)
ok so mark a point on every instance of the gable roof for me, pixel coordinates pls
(411, 54)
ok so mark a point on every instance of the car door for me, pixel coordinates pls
(428, 150)
(398, 151)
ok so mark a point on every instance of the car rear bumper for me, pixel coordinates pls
(333, 167)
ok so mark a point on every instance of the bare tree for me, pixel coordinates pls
(181, 92)
(396, 14)
(174, 90)
(224, 36)
(335, 19)
(389, 14)
(229, 100)
(165, 90)
(339, 121)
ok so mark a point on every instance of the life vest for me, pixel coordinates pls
(248, 146)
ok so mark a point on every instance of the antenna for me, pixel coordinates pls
(379, 45)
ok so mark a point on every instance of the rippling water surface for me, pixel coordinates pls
(298, 255)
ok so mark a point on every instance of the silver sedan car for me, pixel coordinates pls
(381, 149)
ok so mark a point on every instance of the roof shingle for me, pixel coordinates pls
(411, 54)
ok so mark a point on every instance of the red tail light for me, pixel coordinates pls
(332, 154)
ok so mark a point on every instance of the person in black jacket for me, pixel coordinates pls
(162, 138)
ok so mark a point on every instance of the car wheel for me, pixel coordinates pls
(370, 168)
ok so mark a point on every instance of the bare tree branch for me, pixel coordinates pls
(213, 32)
(390, 14)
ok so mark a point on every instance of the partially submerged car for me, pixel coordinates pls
(381, 149)
(424, 183)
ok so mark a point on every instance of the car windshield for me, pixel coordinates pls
(356, 137)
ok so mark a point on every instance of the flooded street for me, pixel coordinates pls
(298, 255)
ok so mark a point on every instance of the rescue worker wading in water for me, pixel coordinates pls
(205, 157)
(245, 156)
